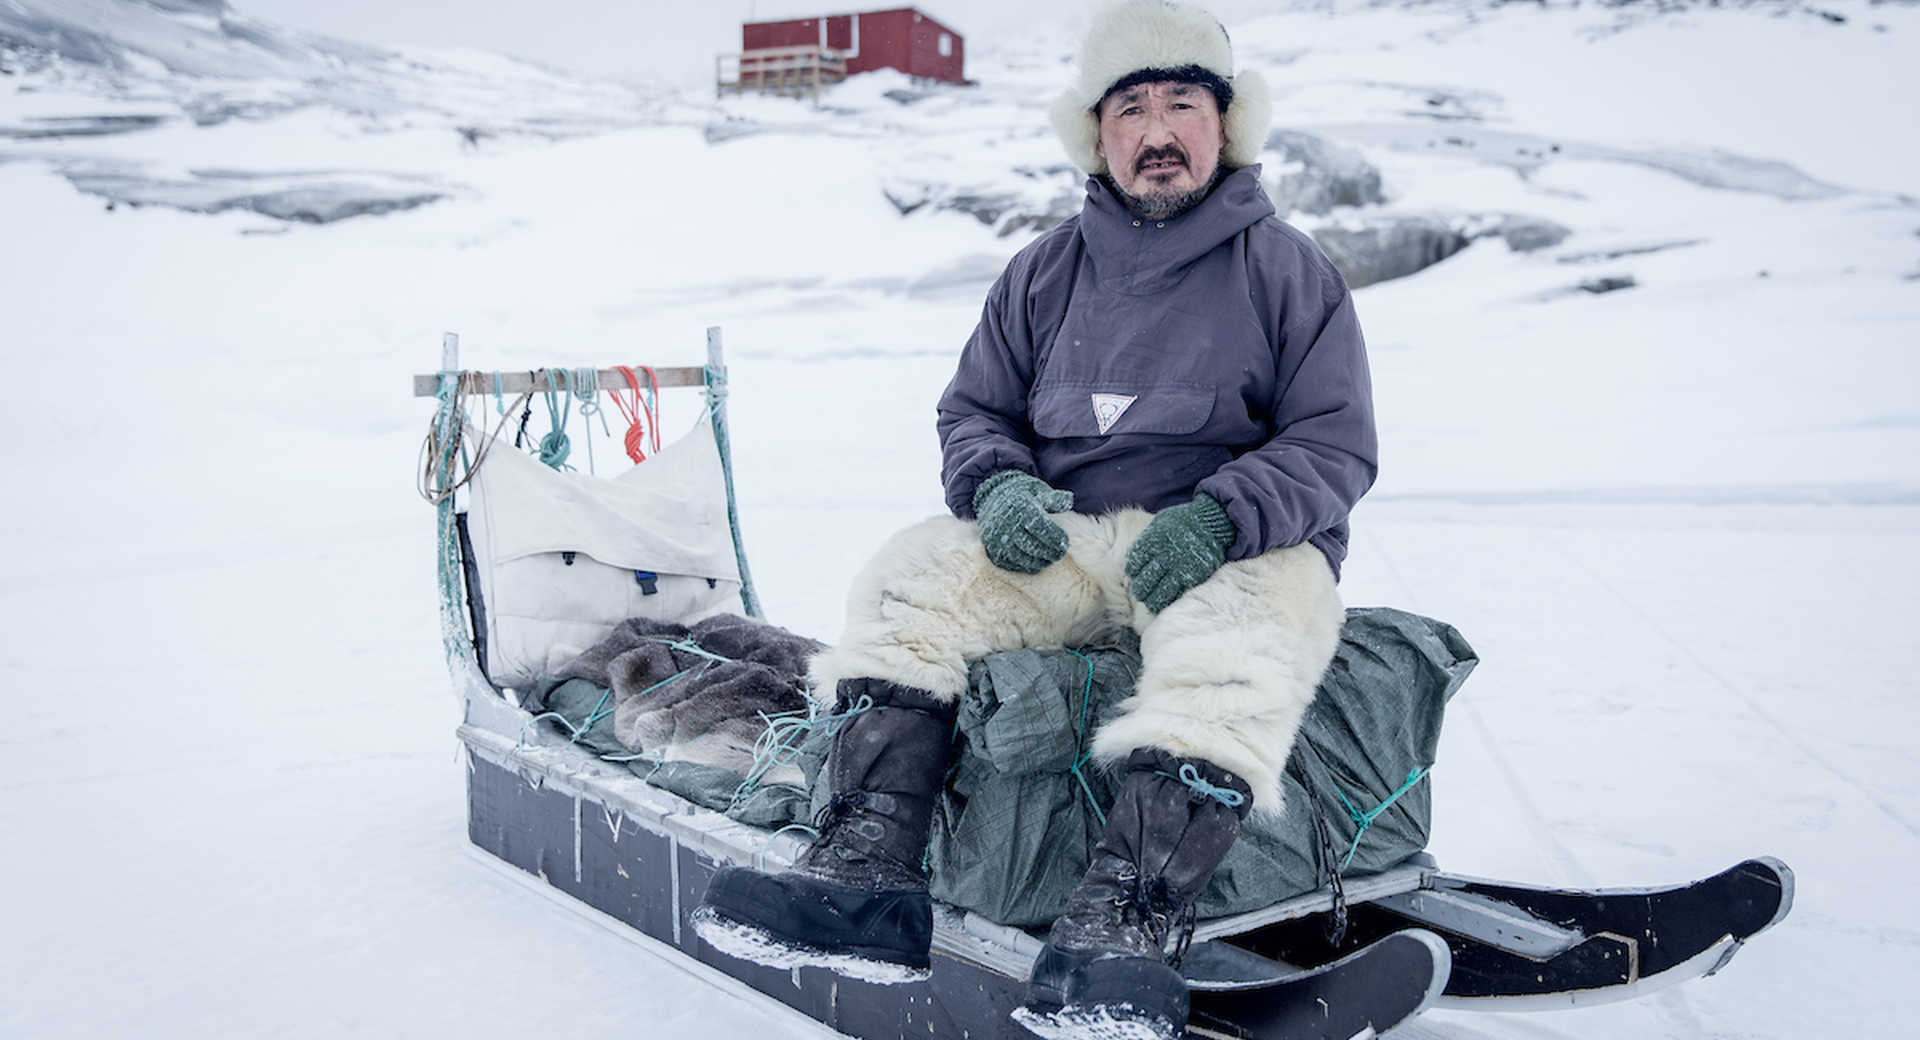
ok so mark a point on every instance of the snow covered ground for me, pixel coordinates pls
(1680, 522)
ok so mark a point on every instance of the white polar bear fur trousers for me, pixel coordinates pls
(1229, 669)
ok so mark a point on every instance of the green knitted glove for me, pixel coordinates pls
(1012, 508)
(1180, 548)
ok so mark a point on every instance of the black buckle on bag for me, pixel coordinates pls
(648, 582)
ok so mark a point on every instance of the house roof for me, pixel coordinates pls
(846, 14)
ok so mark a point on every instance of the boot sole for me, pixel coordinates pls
(790, 920)
(753, 943)
(1114, 998)
(1094, 1022)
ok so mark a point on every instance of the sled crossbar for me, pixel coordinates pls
(481, 384)
(1485, 920)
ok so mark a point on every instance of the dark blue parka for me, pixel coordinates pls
(1135, 362)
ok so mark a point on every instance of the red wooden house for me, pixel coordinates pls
(797, 54)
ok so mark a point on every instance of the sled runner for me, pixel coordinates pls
(1377, 952)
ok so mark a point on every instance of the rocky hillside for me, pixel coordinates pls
(76, 72)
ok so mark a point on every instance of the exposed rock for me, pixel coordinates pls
(1591, 286)
(1521, 233)
(212, 7)
(1390, 247)
(50, 127)
(1527, 234)
(1610, 283)
(1447, 108)
(1526, 153)
(1048, 196)
(1042, 221)
(1011, 213)
(905, 206)
(1601, 255)
(905, 96)
(732, 129)
(216, 64)
(310, 198)
(985, 208)
(215, 107)
(1320, 175)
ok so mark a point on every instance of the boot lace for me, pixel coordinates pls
(830, 821)
(835, 812)
(833, 816)
(1152, 903)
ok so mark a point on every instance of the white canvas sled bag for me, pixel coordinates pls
(564, 557)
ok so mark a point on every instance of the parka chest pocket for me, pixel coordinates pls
(1113, 408)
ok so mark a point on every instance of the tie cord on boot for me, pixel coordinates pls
(1202, 790)
(879, 693)
(1203, 780)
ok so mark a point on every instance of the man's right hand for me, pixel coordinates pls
(1012, 508)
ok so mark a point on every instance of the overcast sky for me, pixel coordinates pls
(620, 39)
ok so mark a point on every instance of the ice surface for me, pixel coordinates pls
(1680, 522)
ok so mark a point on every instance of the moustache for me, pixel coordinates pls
(1153, 154)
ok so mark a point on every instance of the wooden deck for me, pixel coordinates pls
(786, 71)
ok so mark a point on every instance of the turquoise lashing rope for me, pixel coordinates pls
(1365, 819)
(1085, 753)
(599, 711)
(688, 646)
(554, 447)
(586, 388)
(786, 734)
(777, 745)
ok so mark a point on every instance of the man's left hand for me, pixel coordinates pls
(1180, 548)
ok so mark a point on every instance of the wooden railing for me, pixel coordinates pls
(791, 71)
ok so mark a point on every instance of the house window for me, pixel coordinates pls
(946, 46)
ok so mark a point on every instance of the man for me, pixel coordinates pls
(1162, 420)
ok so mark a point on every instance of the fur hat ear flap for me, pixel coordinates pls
(1247, 120)
(1079, 131)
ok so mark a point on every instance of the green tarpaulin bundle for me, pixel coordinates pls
(1015, 828)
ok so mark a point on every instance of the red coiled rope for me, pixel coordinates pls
(643, 414)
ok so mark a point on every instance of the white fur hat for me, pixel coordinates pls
(1135, 35)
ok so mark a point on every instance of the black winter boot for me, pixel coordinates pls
(1104, 971)
(855, 901)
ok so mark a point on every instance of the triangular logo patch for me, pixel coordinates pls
(1108, 408)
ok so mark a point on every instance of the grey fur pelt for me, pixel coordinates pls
(675, 702)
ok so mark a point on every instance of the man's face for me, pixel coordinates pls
(1161, 140)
